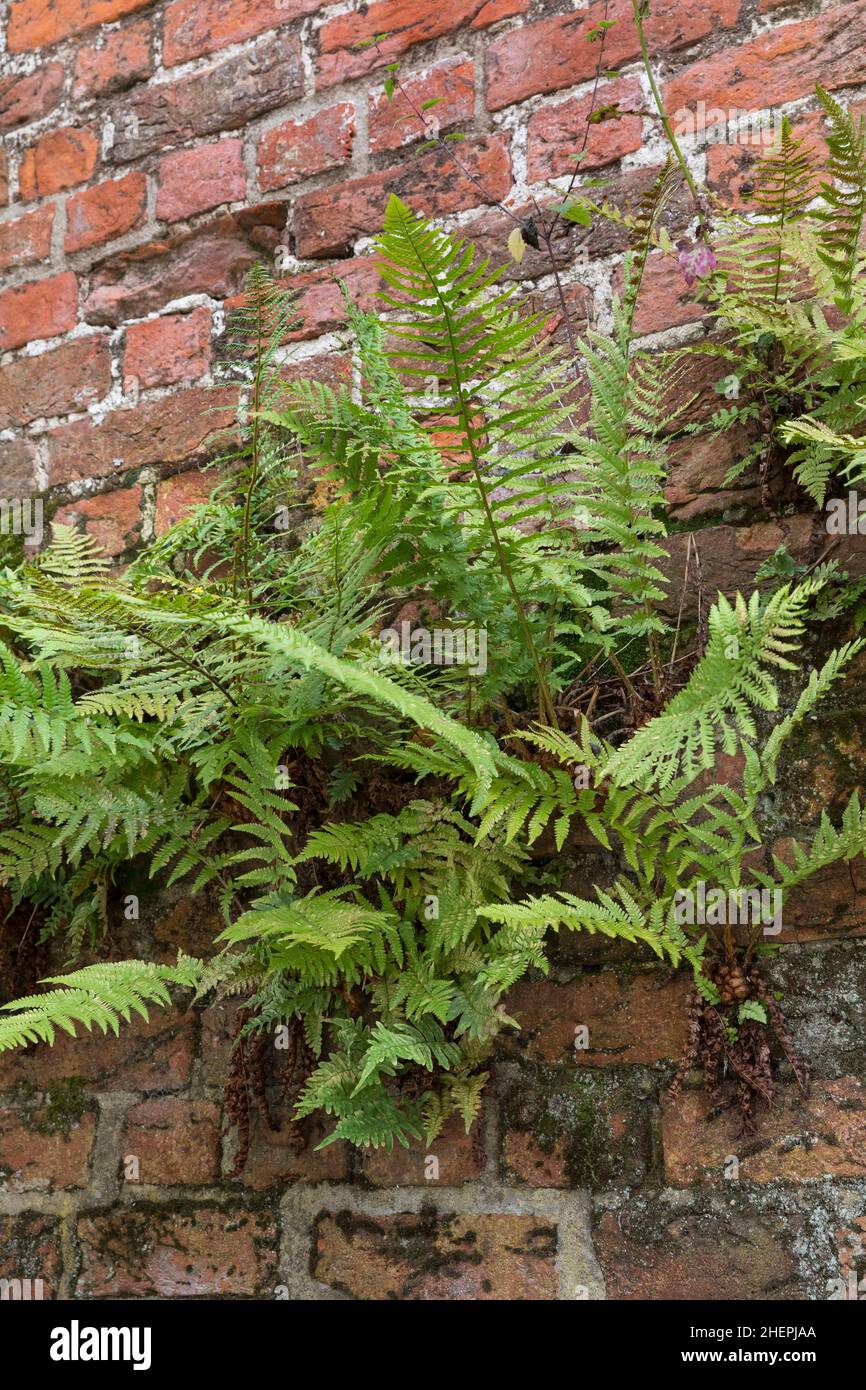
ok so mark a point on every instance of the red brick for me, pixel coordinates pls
(4, 179)
(66, 379)
(225, 97)
(649, 1252)
(35, 23)
(162, 351)
(212, 259)
(42, 309)
(174, 1140)
(113, 519)
(275, 1161)
(731, 554)
(297, 149)
(393, 122)
(437, 1256)
(331, 368)
(192, 181)
(555, 133)
(320, 302)
(155, 1055)
(60, 159)
(37, 1157)
(556, 52)
(695, 484)
(105, 212)
(831, 902)
(30, 1249)
(665, 300)
(17, 466)
(585, 1129)
(525, 1161)
(631, 1018)
(778, 66)
(24, 99)
(161, 431)
(798, 1140)
(175, 497)
(26, 239)
(120, 58)
(404, 24)
(194, 27)
(163, 1253)
(328, 221)
(460, 1158)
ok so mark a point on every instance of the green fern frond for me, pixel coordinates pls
(97, 996)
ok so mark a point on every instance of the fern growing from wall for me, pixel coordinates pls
(222, 715)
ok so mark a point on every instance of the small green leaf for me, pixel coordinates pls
(752, 1008)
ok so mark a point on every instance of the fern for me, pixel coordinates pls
(97, 996)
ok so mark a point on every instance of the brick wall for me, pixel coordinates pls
(151, 152)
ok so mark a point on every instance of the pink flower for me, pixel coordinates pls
(696, 261)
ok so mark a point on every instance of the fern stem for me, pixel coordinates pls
(254, 468)
(639, 11)
(543, 691)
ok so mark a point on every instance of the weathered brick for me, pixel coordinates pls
(588, 1130)
(4, 179)
(117, 60)
(297, 149)
(394, 122)
(459, 1158)
(174, 1140)
(17, 467)
(320, 302)
(778, 66)
(209, 260)
(26, 239)
(225, 97)
(107, 211)
(437, 1255)
(162, 351)
(331, 368)
(165, 1253)
(29, 98)
(665, 300)
(176, 496)
(403, 23)
(729, 557)
(153, 432)
(155, 1055)
(555, 133)
(66, 379)
(647, 1250)
(557, 52)
(695, 485)
(833, 900)
(635, 1018)
(194, 27)
(798, 1140)
(59, 159)
(30, 1249)
(113, 519)
(192, 181)
(275, 1159)
(328, 221)
(41, 309)
(36, 23)
(39, 1155)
